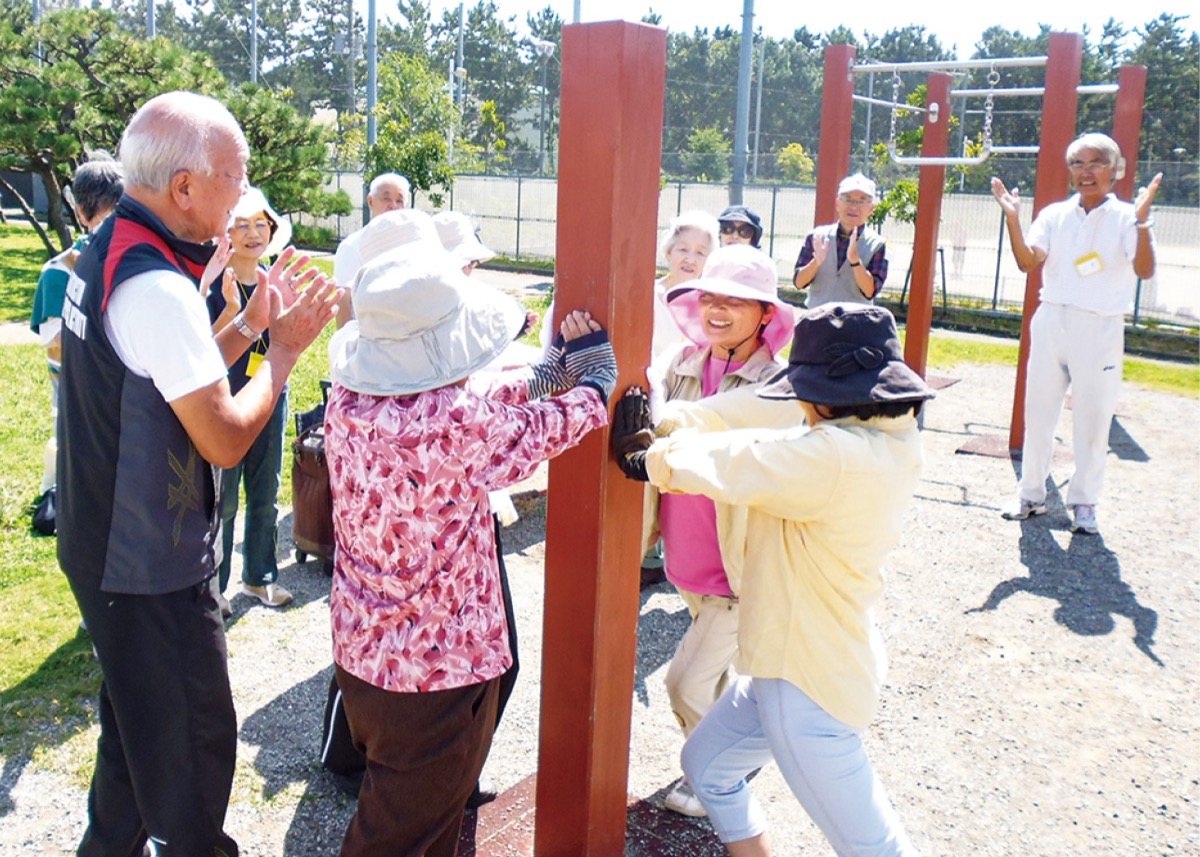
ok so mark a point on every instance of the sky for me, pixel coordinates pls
(780, 18)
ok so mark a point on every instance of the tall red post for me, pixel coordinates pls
(1060, 108)
(613, 80)
(935, 144)
(837, 128)
(1127, 124)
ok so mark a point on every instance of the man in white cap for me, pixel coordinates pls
(857, 267)
(388, 192)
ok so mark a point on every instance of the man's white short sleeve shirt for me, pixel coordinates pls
(347, 261)
(159, 326)
(1089, 255)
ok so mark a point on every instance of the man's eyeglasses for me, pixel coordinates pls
(744, 230)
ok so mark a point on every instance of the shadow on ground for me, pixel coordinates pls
(1084, 578)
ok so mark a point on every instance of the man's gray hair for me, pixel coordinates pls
(391, 178)
(97, 185)
(1098, 142)
(701, 220)
(172, 132)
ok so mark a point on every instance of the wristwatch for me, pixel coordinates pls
(1145, 224)
(244, 329)
(856, 264)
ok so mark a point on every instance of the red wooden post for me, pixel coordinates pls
(613, 80)
(1127, 124)
(1060, 107)
(837, 128)
(935, 144)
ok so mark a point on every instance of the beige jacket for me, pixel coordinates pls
(823, 509)
(684, 382)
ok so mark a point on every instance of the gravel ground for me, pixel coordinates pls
(1041, 699)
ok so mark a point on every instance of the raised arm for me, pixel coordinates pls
(1143, 257)
(1027, 257)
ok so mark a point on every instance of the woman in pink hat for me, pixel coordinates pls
(736, 324)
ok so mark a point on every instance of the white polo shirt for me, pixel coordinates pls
(1089, 254)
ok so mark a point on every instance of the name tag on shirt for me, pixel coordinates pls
(1086, 266)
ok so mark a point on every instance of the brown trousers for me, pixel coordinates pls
(424, 752)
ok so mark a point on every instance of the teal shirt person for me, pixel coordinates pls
(49, 295)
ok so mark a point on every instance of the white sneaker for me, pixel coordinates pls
(1023, 509)
(684, 801)
(1085, 520)
(272, 595)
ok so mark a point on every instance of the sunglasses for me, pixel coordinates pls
(744, 230)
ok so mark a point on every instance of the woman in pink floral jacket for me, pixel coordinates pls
(419, 635)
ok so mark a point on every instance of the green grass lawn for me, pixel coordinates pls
(22, 255)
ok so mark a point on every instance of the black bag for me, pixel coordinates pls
(45, 511)
(312, 502)
(338, 753)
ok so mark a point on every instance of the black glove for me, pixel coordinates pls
(632, 434)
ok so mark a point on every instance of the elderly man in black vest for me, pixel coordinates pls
(146, 419)
(844, 261)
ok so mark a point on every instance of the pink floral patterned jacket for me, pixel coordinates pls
(416, 603)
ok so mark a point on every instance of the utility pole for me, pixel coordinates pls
(149, 19)
(253, 40)
(762, 65)
(545, 50)
(372, 82)
(351, 55)
(741, 130)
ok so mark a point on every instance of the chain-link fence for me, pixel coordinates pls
(975, 269)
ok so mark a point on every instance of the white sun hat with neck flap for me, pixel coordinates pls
(420, 324)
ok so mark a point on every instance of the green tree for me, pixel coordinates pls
(707, 155)
(288, 153)
(93, 76)
(795, 164)
(1171, 124)
(89, 81)
(414, 120)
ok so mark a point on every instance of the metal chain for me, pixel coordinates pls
(993, 78)
(895, 109)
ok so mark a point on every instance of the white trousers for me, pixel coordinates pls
(1071, 347)
(700, 670)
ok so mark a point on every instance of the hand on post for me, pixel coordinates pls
(589, 356)
(632, 433)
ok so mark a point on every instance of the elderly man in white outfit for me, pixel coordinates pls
(387, 192)
(1094, 248)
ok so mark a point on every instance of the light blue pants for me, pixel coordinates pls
(260, 470)
(821, 758)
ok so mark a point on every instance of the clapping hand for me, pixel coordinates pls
(217, 264)
(820, 248)
(1010, 201)
(1145, 197)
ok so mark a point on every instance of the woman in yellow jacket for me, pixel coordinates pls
(825, 459)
